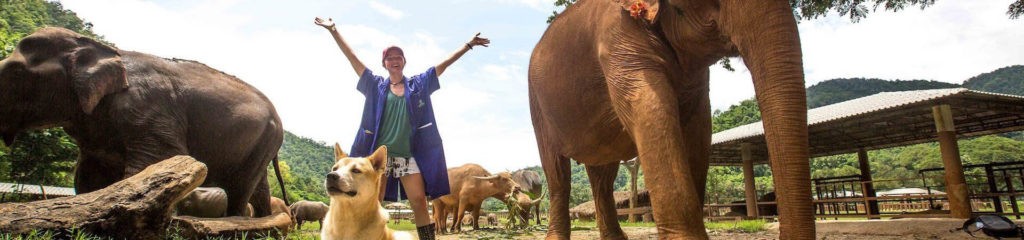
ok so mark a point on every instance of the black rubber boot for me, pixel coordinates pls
(426, 232)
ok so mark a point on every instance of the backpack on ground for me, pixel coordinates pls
(996, 226)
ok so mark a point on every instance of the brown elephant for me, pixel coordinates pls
(530, 182)
(127, 110)
(470, 185)
(308, 211)
(526, 206)
(614, 79)
(278, 205)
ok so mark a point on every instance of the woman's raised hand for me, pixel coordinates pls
(478, 41)
(328, 24)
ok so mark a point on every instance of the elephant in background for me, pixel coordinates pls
(127, 110)
(470, 185)
(527, 205)
(530, 182)
(308, 211)
(615, 79)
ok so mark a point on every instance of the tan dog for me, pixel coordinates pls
(355, 211)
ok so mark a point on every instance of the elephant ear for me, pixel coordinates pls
(646, 9)
(96, 71)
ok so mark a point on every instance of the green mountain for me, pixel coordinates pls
(843, 89)
(1008, 80)
(305, 163)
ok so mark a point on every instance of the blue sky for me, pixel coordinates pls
(482, 106)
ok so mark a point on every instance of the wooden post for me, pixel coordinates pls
(956, 186)
(990, 178)
(634, 168)
(868, 187)
(748, 180)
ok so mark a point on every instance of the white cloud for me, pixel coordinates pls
(386, 10)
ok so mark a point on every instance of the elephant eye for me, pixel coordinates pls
(356, 170)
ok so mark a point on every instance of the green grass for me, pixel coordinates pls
(748, 226)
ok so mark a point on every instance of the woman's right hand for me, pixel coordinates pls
(328, 24)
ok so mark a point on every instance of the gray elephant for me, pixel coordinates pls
(207, 203)
(203, 202)
(127, 110)
(308, 211)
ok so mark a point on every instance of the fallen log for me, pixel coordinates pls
(274, 226)
(138, 207)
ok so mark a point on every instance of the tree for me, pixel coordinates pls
(45, 157)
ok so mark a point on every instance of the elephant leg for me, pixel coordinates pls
(321, 223)
(602, 179)
(650, 111)
(696, 125)
(91, 175)
(557, 171)
(459, 214)
(476, 217)
(536, 212)
(438, 220)
(239, 192)
(261, 198)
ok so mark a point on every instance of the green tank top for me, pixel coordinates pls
(395, 129)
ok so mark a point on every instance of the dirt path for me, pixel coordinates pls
(651, 233)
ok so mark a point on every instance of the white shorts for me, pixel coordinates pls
(399, 167)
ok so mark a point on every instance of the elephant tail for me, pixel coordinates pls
(280, 182)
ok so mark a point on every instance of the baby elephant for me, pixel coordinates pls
(308, 211)
(207, 202)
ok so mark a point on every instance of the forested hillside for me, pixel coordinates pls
(1008, 80)
(307, 162)
(842, 89)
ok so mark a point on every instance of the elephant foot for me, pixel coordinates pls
(666, 233)
(615, 235)
(555, 235)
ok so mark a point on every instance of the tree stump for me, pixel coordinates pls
(275, 226)
(138, 207)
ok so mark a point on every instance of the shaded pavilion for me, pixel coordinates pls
(885, 120)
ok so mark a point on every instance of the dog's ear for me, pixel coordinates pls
(379, 158)
(338, 153)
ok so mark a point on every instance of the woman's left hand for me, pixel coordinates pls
(478, 41)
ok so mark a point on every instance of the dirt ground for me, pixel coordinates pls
(830, 230)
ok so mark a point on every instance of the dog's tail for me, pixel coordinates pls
(280, 182)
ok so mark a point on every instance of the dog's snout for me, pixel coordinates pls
(333, 176)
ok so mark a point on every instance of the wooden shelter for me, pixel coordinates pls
(587, 210)
(885, 120)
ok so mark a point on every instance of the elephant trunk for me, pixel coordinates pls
(767, 38)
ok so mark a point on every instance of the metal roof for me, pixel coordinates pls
(883, 120)
(34, 189)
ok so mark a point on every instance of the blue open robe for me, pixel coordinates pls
(426, 141)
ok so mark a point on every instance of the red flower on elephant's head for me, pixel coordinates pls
(637, 9)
